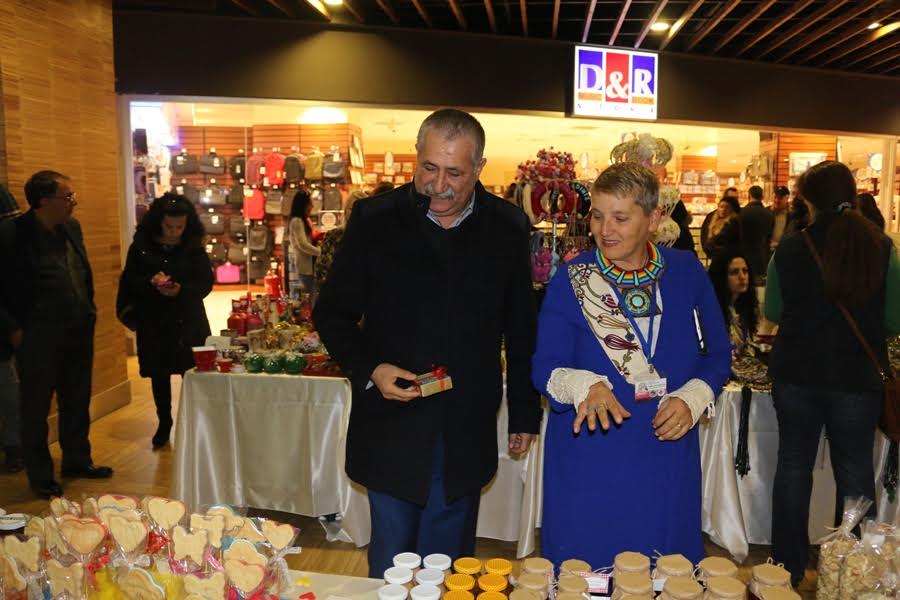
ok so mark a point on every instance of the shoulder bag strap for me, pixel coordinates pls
(847, 316)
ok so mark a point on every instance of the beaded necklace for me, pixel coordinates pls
(636, 288)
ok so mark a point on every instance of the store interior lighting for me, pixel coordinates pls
(334, 2)
(323, 115)
(875, 25)
(659, 26)
(712, 150)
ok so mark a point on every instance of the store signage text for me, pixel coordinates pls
(615, 83)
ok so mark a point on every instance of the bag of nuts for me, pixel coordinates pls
(865, 568)
(836, 546)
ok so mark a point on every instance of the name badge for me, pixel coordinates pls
(649, 387)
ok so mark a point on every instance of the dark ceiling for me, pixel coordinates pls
(830, 34)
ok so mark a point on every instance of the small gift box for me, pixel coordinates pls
(434, 382)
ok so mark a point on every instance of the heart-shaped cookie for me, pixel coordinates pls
(279, 535)
(137, 584)
(26, 554)
(233, 521)
(10, 576)
(115, 501)
(53, 541)
(165, 513)
(83, 535)
(109, 511)
(209, 588)
(250, 532)
(214, 524)
(130, 535)
(244, 551)
(189, 545)
(35, 528)
(246, 578)
(65, 580)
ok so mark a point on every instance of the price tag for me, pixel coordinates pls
(598, 584)
(216, 162)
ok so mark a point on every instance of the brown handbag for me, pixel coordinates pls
(890, 406)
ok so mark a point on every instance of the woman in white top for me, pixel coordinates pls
(302, 251)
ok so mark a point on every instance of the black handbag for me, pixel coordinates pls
(126, 308)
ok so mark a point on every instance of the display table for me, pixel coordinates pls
(737, 511)
(336, 586)
(278, 442)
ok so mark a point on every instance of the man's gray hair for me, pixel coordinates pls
(630, 180)
(451, 123)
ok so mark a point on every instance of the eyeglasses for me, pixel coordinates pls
(69, 198)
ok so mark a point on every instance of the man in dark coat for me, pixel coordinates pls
(10, 427)
(47, 318)
(432, 274)
(757, 223)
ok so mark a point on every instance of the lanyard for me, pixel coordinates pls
(646, 344)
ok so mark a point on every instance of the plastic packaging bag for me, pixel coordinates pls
(865, 568)
(836, 546)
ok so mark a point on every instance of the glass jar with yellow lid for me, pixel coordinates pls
(681, 588)
(498, 566)
(637, 584)
(631, 562)
(535, 582)
(467, 566)
(491, 596)
(725, 588)
(768, 576)
(460, 582)
(493, 582)
(459, 595)
(716, 566)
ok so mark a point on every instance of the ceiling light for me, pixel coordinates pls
(659, 26)
(323, 115)
(334, 2)
(712, 150)
(875, 25)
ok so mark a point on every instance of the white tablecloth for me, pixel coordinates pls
(326, 587)
(277, 442)
(737, 511)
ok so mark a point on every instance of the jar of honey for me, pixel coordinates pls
(631, 562)
(467, 566)
(681, 588)
(637, 584)
(725, 588)
(460, 582)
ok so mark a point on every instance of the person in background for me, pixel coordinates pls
(724, 232)
(681, 216)
(625, 397)
(730, 192)
(303, 252)
(410, 291)
(866, 204)
(47, 317)
(167, 275)
(10, 422)
(756, 224)
(731, 275)
(781, 215)
(798, 217)
(332, 239)
(822, 377)
(382, 188)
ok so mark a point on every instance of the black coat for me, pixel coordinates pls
(18, 285)
(757, 223)
(403, 291)
(167, 328)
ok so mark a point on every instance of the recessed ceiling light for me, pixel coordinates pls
(875, 25)
(334, 2)
(659, 26)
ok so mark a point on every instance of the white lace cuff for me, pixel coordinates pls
(571, 386)
(697, 395)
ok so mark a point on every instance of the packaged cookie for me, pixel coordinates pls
(233, 519)
(865, 568)
(84, 538)
(245, 578)
(279, 539)
(23, 564)
(129, 539)
(212, 587)
(65, 582)
(835, 547)
(188, 550)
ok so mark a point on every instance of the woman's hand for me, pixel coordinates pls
(170, 290)
(599, 404)
(673, 420)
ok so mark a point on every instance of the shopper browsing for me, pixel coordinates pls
(631, 350)
(781, 215)
(166, 277)
(47, 315)
(433, 274)
(756, 223)
(731, 275)
(724, 232)
(302, 251)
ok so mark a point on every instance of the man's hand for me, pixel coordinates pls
(170, 291)
(600, 404)
(15, 339)
(519, 442)
(385, 376)
(673, 420)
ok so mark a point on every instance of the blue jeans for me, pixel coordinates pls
(850, 420)
(10, 422)
(441, 526)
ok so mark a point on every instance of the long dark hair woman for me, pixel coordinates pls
(866, 204)
(166, 277)
(822, 376)
(731, 276)
(303, 252)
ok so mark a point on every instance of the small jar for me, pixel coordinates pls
(458, 595)
(493, 583)
(491, 596)
(716, 566)
(681, 588)
(637, 584)
(410, 560)
(425, 592)
(673, 565)
(400, 576)
(498, 566)
(523, 594)
(725, 588)
(441, 562)
(538, 565)
(467, 566)
(536, 582)
(631, 562)
(779, 594)
(572, 584)
(460, 582)
(569, 596)
(767, 576)
(392, 591)
(573, 566)
(636, 597)
(431, 577)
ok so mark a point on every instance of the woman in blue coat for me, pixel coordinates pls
(632, 349)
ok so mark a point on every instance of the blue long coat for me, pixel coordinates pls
(605, 493)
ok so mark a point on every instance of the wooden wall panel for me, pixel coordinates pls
(286, 137)
(59, 112)
(797, 142)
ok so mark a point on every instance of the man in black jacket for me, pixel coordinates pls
(756, 232)
(10, 428)
(432, 274)
(47, 318)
